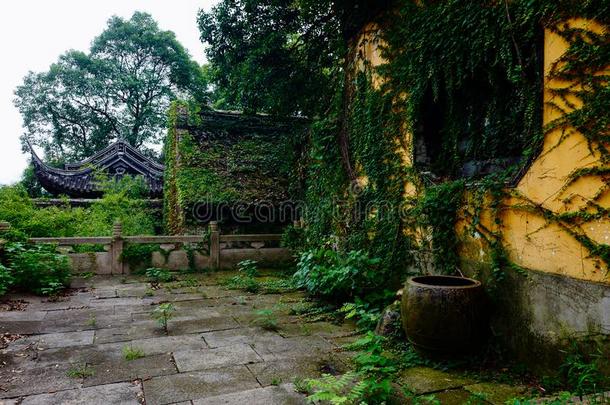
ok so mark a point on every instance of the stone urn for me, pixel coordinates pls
(444, 315)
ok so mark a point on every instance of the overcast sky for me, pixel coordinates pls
(33, 33)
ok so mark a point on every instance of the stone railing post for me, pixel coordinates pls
(214, 245)
(116, 248)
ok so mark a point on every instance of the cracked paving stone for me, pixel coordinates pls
(199, 384)
(215, 358)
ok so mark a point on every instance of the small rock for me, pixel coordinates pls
(389, 324)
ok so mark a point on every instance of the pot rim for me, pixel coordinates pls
(474, 283)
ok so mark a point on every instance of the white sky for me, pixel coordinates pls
(33, 33)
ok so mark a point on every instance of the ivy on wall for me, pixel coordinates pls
(219, 158)
(479, 64)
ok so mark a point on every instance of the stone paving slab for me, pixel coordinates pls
(280, 395)
(148, 329)
(241, 335)
(201, 325)
(54, 340)
(190, 314)
(75, 355)
(324, 329)
(120, 394)
(497, 394)
(456, 397)
(422, 380)
(215, 358)
(197, 385)
(22, 316)
(158, 345)
(287, 370)
(21, 381)
(291, 348)
(123, 370)
(21, 327)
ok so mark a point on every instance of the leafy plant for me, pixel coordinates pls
(92, 321)
(80, 371)
(38, 268)
(370, 382)
(248, 268)
(366, 314)
(163, 313)
(157, 275)
(87, 275)
(132, 353)
(239, 282)
(582, 374)
(6, 279)
(334, 275)
(266, 319)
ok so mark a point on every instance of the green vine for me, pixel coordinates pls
(478, 66)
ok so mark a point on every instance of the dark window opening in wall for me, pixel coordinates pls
(483, 126)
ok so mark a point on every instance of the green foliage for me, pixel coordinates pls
(248, 268)
(473, 76)
(80, 371)
(121, 88)
(266, 319)
(239, 282)
(338, 276)
(132, 353)
(163, 313)
(370, 382)
(438, 209)
(241, 159)
(138, 254)
(37, 268)
(263, 53)
(293, 238)
(6, 280)
(156, 275)
(119, 203)
(366, 314)
(30, 183)
(581, 373)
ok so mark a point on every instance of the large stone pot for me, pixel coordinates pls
(444, 315)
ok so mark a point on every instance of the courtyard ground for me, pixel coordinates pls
(219, 349)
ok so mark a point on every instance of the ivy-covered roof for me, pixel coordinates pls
(220, 157)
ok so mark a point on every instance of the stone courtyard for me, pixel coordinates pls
(72, 349)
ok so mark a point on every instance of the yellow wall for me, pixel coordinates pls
(530, 241)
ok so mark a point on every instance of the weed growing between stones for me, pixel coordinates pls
(266, 320)
(132, 353)
(163, 313)
(80, 371)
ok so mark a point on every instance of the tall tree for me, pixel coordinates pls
(121, 88)
(272, 55)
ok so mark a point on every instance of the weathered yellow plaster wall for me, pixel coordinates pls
(533, 242)
(530, 241)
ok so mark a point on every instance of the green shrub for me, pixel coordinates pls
(248, 267)
(330, 274)
(38, 268)
(121, 202)
(6, 280)
(157, 275)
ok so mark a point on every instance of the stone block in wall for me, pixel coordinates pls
(96, 262)
(271, 256)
